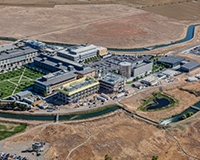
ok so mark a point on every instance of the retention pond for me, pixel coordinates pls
(158, 104)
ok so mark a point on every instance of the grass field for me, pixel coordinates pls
(7, 130)
(15, 81)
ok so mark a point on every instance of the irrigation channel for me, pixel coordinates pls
(54, 117)
(189, 36)
(194, 109)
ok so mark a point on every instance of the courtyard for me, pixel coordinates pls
(16, 81)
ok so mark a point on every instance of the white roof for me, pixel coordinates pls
(192, 79)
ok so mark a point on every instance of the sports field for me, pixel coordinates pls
(15, 81)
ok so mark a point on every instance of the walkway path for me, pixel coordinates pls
(19, 81)
(89, 136)
(12, 82)
(28, 78)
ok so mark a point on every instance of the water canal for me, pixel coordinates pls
(189, 36)
(80, 116)
(178, 117)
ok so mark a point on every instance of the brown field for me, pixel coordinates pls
(186, 10)
(66, 2)
(111, 25)
(120, 136)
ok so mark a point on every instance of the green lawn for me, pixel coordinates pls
(9, 130)
(32, 74)
(7, 88)
(129, 82)
(15, 79)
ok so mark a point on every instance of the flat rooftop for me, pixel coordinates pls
(171, 59)
(150, 78)
(79, 50)
(170, 72)
(190, 65)
(16, 52)
(7, 47)
(78, 85)
(67, 61)
(85, 70)
(112, 78)
(55, 78)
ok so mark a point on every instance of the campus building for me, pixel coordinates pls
(125, 69)
(81, 52)
(170, 61)
(142, 69)
(55, 63)
(112, 82)
(12, 57)
(78, 89)
(52, 81)
(190, 66)
(87, 72)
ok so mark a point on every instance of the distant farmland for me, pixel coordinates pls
(183, 10)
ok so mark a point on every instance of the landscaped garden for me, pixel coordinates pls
(15, 81)
(158, 101)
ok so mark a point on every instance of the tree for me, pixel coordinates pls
(155, 158)
(107, 157)
(183, 116)
(45, 93)
(190, 114)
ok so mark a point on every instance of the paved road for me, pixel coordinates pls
(182, 50)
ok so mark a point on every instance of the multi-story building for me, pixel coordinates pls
(125, 69)
(52, 81)
(55, 63)
(78, 89)
(112, 82)
(142, 69)
(15, 58)
(170, 61)
(86, 72)
(79, 53)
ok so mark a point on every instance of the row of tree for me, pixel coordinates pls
(92, 59)
(13, 105)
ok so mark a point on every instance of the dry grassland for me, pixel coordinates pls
(186, 10)
(117, 26)
(120, 136)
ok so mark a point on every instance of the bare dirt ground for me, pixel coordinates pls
(111, 25)
(66, 2)
(119, 136)
(185, 10)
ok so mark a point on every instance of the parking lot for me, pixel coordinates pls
(8, 156)
(112, 63)
(195, 50)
